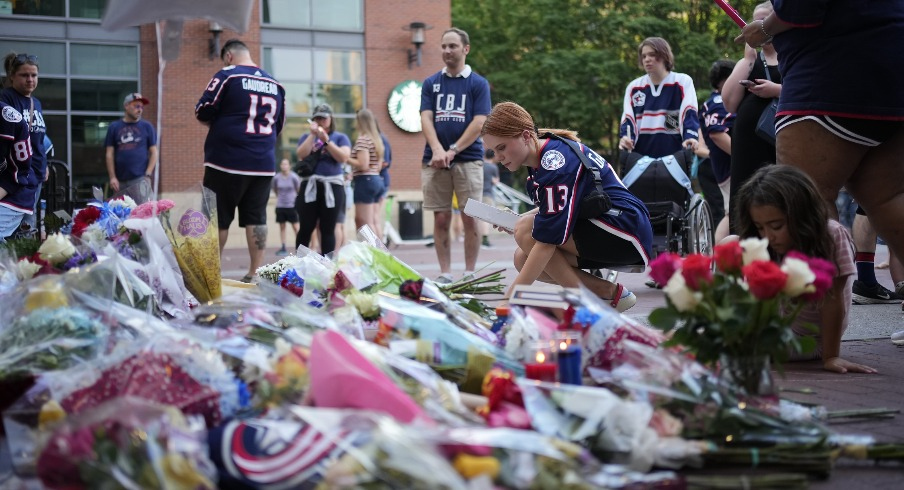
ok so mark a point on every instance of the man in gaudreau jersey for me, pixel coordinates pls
(18, 180)
(245, 109)
(454, 104)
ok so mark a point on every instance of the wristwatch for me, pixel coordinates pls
(454, 147)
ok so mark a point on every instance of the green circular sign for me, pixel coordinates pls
(405, 106)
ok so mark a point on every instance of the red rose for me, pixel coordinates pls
(729, 257)
(765, 278)
(697, 270)
(664, 266)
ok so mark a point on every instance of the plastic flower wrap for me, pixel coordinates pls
(605, 331)
(48, 339)
(372, 269)
(127, 443)
(307, 447)
(307, 275)
(429, 336)
(286, 377)
(170, 369)
(192, 230)
(614, 429)
(118, 278)
(745, 308)
(439, 398)
(161, 271)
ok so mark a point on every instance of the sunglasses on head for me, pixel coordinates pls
(23, 58)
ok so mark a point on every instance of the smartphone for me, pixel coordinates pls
(748, 83)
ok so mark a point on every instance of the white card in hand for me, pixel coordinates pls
(502, 218)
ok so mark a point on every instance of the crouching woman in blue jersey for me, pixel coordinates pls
(574, 226)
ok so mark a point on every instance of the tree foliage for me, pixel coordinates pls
(568, 61)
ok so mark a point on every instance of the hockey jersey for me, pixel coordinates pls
(559, 185)
(660, 117)
(17, 176)
(245, 108)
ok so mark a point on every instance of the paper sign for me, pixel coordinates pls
(502, 218)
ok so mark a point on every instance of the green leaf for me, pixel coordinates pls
(664, 318)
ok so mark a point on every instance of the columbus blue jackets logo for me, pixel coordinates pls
(11, 114)
(552, 160)
(277, 454)
(639, 99)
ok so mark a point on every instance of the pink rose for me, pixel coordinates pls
(664, 266)
(825, 274)
(697, 270)
(765, 278)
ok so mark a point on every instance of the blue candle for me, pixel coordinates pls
(570, 365)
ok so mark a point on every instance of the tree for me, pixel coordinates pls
(568, 61)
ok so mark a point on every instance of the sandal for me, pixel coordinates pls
(247, 279)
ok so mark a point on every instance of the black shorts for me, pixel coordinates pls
(865, 132)
(248, 193)
(599, 249)
(286, 215)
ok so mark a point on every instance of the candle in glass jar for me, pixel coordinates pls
(568, 353)
(540, 363)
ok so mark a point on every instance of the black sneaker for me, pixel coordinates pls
(873, 295)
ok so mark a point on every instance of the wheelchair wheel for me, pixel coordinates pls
(699, 231)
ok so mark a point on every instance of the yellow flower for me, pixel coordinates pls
(473, 466)
(51, 412)
(180, 474)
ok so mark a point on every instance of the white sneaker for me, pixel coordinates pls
(443, 279)
(624, 299)
(897, 338)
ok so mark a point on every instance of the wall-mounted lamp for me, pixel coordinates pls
(213, 44)
(417, 38)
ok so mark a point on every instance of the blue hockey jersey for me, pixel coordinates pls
(561, 182)
(36, 125)
(245, 108)
(659, 118)
(18, 177)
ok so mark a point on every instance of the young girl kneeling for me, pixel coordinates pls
(560, 238)
(781, 203)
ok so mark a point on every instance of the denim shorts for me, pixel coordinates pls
(9, 222)
(368, 189)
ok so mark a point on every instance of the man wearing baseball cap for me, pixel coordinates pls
(131, 149)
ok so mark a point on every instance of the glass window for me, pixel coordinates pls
(293, 13)
(51, 56)
(87, 9)
(52, 93)
(104, 60)
(55, 8)
(56, 131)
(288, 63)
(100, 95)
(339, 66)
(88, 133)
(299, 98)
(345, 99)
(338, 15)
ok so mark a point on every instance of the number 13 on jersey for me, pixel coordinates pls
(252, 126)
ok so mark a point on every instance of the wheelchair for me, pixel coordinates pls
(681, 218)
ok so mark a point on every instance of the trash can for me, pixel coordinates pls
(411, 220)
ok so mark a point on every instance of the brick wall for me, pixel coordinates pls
(182, 137)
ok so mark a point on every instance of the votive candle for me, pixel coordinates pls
(568, 353)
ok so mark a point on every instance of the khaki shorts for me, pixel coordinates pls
(465, 178)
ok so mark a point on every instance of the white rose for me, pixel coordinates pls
(56, 249)
(94, 235)
(800, 277)
(27, 269)
(681, 296)
(755, 249)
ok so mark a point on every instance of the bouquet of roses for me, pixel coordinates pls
(745, 307)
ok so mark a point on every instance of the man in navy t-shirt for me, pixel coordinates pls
(454, 104)
(131, 145)
(245, 109)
